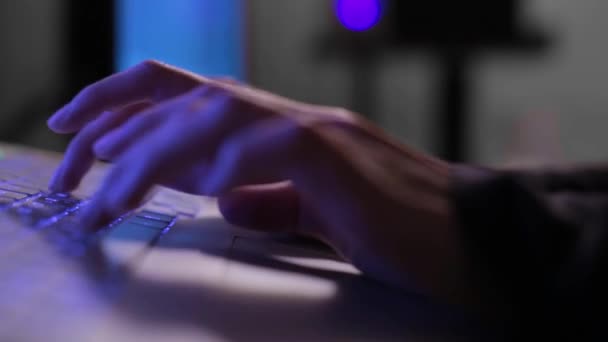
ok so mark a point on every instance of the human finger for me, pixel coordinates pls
(147, 81)
(122, 137)
(154, 159)
(79, 156)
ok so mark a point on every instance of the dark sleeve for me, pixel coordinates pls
(538, 239)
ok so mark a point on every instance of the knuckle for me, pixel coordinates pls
(138, 121)
(84, 137)
(308, 138)
(302, 134)
(344, 116)
(143, 122)
(87, 135)
(147, 72)
(79, 142)
(88, 131)
(88, 94)
(150, 66)
(219, 110)
(337, 125)
(100, 151)
(206, 92)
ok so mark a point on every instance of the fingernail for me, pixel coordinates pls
(60, 118)
(53, 121)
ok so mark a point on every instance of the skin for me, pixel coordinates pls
(274, 164)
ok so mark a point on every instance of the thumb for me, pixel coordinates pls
(269, 207)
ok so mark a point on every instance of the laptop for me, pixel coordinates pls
(174, 270)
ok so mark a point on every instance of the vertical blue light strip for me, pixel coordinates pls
(204, 36)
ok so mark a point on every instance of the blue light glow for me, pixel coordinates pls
(204, 36)
(359, 15)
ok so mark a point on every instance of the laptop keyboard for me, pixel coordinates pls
(35, 212)
(48, 263)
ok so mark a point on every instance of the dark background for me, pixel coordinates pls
(531, 93)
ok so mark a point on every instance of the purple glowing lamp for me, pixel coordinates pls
(358, 15)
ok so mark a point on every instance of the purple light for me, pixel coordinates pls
(358, 15)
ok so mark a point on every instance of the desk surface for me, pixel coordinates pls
(260, 288)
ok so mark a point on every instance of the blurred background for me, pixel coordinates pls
(501, 82)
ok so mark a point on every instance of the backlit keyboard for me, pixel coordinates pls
(54, 217)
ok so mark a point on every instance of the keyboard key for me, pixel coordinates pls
(54, 199)
(6, 201)
(155, 216)
(131, 231)
(45, 209)
(151, 223)
(33, 213)
(126, 242)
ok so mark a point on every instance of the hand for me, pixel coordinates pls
(275, 164)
